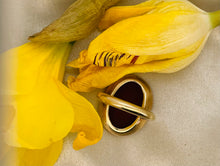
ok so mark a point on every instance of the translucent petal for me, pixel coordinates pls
(86, 120)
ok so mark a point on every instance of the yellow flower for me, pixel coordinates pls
(161, 36)
(45, 111)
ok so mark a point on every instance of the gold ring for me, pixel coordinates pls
(123, 115)
(125, 106)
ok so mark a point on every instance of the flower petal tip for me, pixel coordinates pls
(81, 141)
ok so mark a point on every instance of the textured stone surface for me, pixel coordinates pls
(186, 104)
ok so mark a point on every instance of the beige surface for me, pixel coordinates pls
(186, 104)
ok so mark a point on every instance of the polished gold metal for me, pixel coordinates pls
(143, 113)
(125, 106)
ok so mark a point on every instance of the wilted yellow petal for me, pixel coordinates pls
(77, 22)
(100, 77)
(37, 157)
(86, 120)
(165, 38)
(170, 29)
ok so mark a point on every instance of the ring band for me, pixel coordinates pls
(125, 106)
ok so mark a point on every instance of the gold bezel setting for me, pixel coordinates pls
(143, 113)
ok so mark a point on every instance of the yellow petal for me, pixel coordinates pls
(45, 110)
(152, 35)
(100, 77)
(33, 70)
(27, 157)
(165, 39)
(86, 123)
(118, 13)
(215, 18)
(42, 117)
(171, 29)
(114, 59)
(23, 64)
